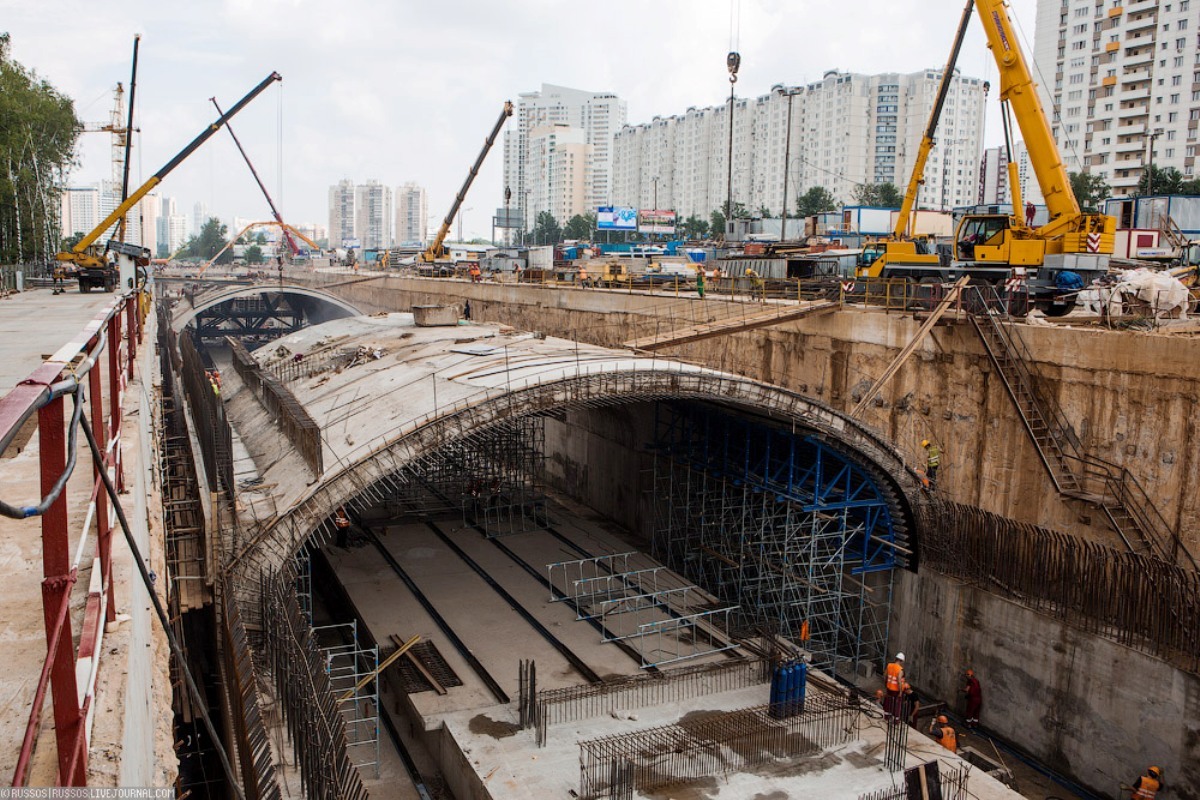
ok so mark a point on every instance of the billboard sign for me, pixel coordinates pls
(656, 221)
(616, 218)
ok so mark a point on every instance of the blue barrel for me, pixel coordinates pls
(801, 679)
(789, 678)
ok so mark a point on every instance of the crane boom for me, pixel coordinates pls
(291, 242)
(928, 141)
(78, 254)
(434, 251)
(1020, 92)
(128, 137)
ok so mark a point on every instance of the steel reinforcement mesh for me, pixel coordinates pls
(704, 745)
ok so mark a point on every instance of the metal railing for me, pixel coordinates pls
(69, 671)
(300, 429)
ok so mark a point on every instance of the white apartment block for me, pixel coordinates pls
(994, 187)
(846, 129)
(598, 114)
(412, 213)
(85, 207)
(150, 209)
(200, 215)
(373, 215)
(1122, 77)
(341, 213)
(558, 172)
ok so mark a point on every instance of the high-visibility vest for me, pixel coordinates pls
(935, 456)
(895, 676)
(1147, 788)
(949, 739)
(341, 520)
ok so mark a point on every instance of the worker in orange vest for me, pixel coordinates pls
(1145, 787)
(944, 733)
(893, 684)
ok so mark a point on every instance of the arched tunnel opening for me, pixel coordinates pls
(654, 536)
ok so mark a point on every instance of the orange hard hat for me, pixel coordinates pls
(970, 673)
(942, 718)
(1155, 771)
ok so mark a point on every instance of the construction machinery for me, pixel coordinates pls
(105, 265)
(1051, 262)
(436, 251)
(286, 229)
(903, 255)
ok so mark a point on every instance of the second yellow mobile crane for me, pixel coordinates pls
(436, 250)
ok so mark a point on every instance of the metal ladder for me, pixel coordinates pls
(1111, 488)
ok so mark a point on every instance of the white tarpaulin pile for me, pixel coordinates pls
(1139, 291)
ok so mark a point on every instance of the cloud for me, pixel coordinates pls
(400, 91)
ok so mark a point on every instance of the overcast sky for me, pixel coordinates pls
(406, 91)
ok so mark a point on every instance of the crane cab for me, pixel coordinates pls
(990, 239)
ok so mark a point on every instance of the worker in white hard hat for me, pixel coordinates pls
(893, 685)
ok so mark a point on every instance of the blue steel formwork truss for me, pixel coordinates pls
(796, 532)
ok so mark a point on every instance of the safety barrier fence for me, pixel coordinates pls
(618, 766)
(241, 688)
(314, 718)
(573, 703)
(300, 429)
(208, 413)
(93, 368)
(1139, 601)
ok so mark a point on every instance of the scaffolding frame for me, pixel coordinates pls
(795, 532)
(495, 477)
(303, 565)
(347, 664)
(581, 569)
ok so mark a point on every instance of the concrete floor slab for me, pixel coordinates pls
(36, 323)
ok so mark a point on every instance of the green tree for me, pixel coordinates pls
(693, 228)
(816, 200)
(716, 224)
(580, 227)
(547, 230)
(1190, 188)
(1090, 190)
(72, 240)
(1166, 181)
(261, 238)
(209, 242)
(38, 129)
(885, 195)
(254, 254)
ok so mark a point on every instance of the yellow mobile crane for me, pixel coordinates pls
(1057, 258)
(1071, 249)
(100, 266)
(436, 252)
(901, 255)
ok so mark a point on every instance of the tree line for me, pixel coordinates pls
(38, 130)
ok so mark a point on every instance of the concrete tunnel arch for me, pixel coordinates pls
(185, 316)
(279, 540)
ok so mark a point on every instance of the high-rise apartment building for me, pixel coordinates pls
(373, 215)
(200, 216)
(599, 115)
(341, 213)
(847, 129)
(150, 208)
(994, 186)
(85, 207)
(1117, 79)
(412, 214)
(558, 172)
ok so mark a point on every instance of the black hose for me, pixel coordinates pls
(201, 703)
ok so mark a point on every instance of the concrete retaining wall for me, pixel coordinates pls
(1088, 707)
(1133, 397)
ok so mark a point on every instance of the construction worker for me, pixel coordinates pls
(893, 684)
(941, 730)
(474, 272)
(1147, 786)
(933, 460)
(583, 277)
(700, 283)
(341, 521)
(974, 699)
